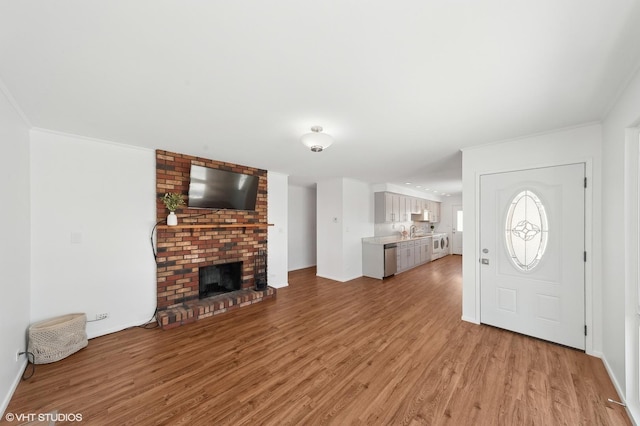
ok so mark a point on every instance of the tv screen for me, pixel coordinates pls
(219, 189)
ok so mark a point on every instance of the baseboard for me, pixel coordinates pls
(596, 354)
(355, 277)
(613, 378)
(299, 268)
(340, 280)
(97, 333)
(327, 277)
(285, 284)
(12, 389)
(616, 385)
(470, 319)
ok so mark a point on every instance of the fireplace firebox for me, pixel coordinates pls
(219, 279)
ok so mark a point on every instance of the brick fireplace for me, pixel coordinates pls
(202, 238)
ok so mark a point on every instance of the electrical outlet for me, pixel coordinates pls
(102, 316)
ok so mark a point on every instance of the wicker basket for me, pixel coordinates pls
(56, 338)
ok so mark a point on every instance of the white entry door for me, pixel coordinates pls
(532, 253)
(456, 231)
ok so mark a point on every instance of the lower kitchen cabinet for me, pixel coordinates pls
(409, 254)
(422, 250)
(413, 253)
(406, 255)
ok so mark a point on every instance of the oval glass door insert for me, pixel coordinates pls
(526, 230)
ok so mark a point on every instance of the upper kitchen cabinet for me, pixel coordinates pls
(407, 206)
(387, 207)
(416, 205)
(413, 205)
(434, 208)
(391, 207)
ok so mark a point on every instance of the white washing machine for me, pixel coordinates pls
(438, 246)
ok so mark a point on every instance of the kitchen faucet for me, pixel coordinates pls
(412, 231)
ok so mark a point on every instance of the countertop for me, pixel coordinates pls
(394, 239)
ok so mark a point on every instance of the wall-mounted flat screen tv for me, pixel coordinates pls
(220, 189)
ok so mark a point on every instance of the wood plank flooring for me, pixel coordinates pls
(365, 352)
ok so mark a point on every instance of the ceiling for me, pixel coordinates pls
(402, 86)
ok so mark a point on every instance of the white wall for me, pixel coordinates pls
(616, 259)
(581, 144)
(102, 195)
(345, 216)
(277, 193)
(357, 204)
(14, 247)
(329, 229)
(302, 227)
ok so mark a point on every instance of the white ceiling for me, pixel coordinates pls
(401, 85)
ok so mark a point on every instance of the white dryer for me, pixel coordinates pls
(444, 243)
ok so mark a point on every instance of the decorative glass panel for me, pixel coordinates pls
(526, 230)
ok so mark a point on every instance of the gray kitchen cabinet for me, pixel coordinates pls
(434, 208)
(419, 250)
(387, 207)
(405, 208)
(406, 255)
(411, 258)
(436, 211)
(416, 205)
(390, 207)
(425, 246)
(401, 256)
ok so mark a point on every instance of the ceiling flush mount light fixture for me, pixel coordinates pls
(317, 141)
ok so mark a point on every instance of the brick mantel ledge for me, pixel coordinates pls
(215, 226)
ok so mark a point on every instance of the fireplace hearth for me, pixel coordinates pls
(219, 279)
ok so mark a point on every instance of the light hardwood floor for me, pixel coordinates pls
(365, 352)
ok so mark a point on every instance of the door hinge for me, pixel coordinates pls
(585, 256)
(585, 330)
(585, 182)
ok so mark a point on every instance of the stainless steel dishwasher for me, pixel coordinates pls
(390, 259)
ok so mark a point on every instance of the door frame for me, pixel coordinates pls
(454, 220)
(593, 333)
